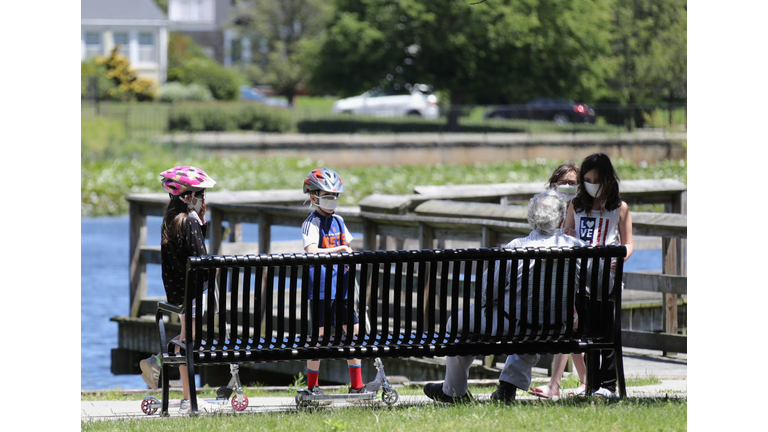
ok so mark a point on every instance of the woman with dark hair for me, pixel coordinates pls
(599, 217)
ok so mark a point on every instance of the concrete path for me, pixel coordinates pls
(672, 371)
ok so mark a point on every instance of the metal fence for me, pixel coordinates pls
(148, 119)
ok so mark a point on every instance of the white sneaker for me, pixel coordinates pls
(604, 392)
(150, 371)
(203, 406)
(185, 407)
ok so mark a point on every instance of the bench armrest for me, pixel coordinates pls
(169, 307)
(161, 308)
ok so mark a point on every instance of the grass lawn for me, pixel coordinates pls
(565, 414)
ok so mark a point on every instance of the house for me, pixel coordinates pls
(139, 27)
(205, 21)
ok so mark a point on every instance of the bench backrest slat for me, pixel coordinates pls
(267, 296)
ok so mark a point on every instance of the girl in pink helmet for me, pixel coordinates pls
(183, 234)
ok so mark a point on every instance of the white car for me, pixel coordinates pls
(415, 100)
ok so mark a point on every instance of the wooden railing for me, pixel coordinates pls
(473, 213)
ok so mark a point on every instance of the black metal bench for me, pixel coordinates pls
(263, 315)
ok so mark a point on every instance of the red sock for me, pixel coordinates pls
(356, 376)
(312, 377)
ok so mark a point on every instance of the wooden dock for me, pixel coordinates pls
(425, 219)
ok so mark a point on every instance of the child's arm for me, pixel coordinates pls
(625, 229)
(570, 222)
(312, 248)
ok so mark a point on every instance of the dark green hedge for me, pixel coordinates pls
(210, 117)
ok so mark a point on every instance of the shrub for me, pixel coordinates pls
(184, 120)
(222, 82)
(90, 70)
(116, 80)
(178, 92)
(276, 120)
(217, 119)
(191, 117)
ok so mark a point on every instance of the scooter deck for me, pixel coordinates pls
(305, 398)
(150, 404)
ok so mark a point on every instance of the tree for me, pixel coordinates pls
(188, 64)
(285, 26)
(115, 79)
(491, 52)
(650, 50)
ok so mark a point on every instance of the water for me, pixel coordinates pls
(104, 289)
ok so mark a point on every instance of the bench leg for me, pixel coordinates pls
(593, 368)
(191, 383)
(620, 372)
(166, 391)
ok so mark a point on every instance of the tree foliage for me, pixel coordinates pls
(188, 64)
(650, 49)
(285, 27)
(115, 79)
(492, 52)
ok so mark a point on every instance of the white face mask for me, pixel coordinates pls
(328, 203)
(198, 206)
(568, 192)
(592, 189)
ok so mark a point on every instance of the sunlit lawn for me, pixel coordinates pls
(631, 414)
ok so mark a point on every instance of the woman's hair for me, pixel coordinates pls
(545, 212)
(175, 215)
(562, 170)
(609, 198)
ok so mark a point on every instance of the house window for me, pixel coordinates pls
(92, 44)
(122, 40)
(192, 10)
(237, 50)
(147, 48)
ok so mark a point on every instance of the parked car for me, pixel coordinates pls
(561, 111)
(252, 94)
(410, 100)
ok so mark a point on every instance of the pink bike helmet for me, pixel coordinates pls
(181, 179)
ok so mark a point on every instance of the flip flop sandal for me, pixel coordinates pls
(541, 392)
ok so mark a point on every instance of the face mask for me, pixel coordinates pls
(592, 189)
(195, 209)
(568, 192)
(328, 202)
(198, 206)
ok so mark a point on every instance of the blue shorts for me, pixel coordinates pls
(321, 314)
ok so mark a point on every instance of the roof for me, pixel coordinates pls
(120, 10)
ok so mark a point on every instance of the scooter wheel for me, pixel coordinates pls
(238, 404)
(149, 405)
(390, 397)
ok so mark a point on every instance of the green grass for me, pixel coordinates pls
(566, 414)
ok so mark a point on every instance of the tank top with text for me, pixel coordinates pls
(598, 229)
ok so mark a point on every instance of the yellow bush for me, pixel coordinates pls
(128, 86)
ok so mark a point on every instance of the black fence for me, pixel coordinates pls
(148, 119)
